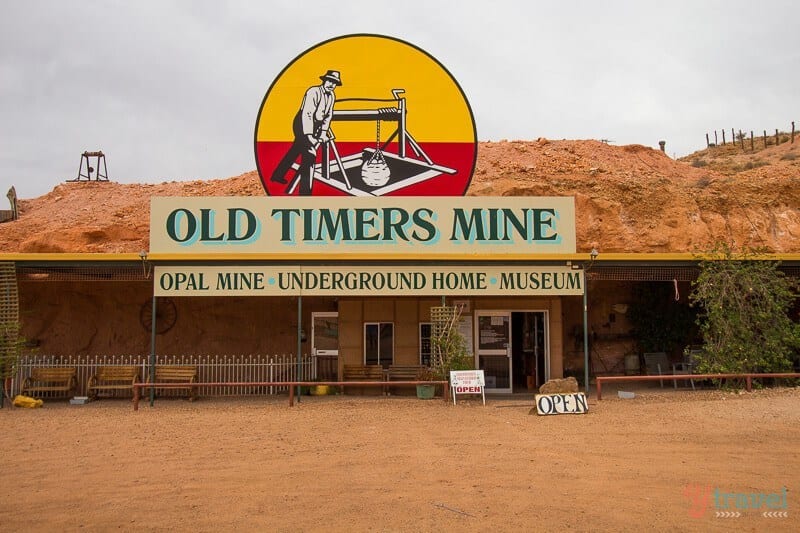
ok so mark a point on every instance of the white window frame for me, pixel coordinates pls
(314, 316)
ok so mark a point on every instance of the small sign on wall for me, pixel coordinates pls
(467, 382)
(561, 404)
(463, 306)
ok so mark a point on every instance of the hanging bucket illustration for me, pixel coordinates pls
(376, 172)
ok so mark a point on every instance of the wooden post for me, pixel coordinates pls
(793, 132)
(777, 139)
(723, 137)
(752, 144)
(708, 143)
(741, 139)
(716, 141)
(765, 138)
(733, 137)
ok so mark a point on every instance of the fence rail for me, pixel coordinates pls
(139, 387)
(244, 370)
(741, 138)
(699, 377)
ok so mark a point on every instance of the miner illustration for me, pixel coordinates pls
(310, 128)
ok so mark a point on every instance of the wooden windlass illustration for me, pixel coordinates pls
(375, 171)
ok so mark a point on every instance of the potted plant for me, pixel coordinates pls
(448, 346)
(426, 392)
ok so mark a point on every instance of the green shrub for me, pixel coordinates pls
(744, 317)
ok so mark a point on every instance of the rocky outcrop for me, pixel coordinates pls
(559, 386)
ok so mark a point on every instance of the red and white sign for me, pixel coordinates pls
(467, 382)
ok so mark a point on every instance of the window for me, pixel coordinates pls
(379, 343)
(425, 330)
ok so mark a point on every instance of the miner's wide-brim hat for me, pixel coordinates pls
(332, 75)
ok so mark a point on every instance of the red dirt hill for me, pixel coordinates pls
(627, 198)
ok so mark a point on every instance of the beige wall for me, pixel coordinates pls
(407, 313)
(351, 317)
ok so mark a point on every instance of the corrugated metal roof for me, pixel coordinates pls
(643, 273)
(83, 273)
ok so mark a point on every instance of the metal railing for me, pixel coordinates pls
(748, 377)
(240, 369)
(141, 389)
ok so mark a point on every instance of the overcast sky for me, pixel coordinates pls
(170, 90)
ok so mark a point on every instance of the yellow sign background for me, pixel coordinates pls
(371, 66)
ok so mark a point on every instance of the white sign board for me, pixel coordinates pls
(561, 404)
(374, 280)
(467, 382)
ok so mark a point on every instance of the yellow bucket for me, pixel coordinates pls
(320, 390)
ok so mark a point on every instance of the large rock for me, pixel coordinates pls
(559, 386)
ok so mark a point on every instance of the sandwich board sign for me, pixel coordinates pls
(467, 382)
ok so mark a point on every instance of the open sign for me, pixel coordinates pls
(560, 404)
(467, 382)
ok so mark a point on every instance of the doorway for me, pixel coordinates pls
(325, 344)
(512, 349)
(494, 349)
(528, 346)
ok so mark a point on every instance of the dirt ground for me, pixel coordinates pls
(401, 464)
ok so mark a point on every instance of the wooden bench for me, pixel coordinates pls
(112, 378)
(176, 374)
(50, 379)
(362, 373)
(403, 372)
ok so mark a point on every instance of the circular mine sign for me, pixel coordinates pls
(365, 115)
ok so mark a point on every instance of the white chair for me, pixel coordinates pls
(686, 366)
(656, 364)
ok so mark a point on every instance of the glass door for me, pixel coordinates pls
(494, 349)
(325, 344)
